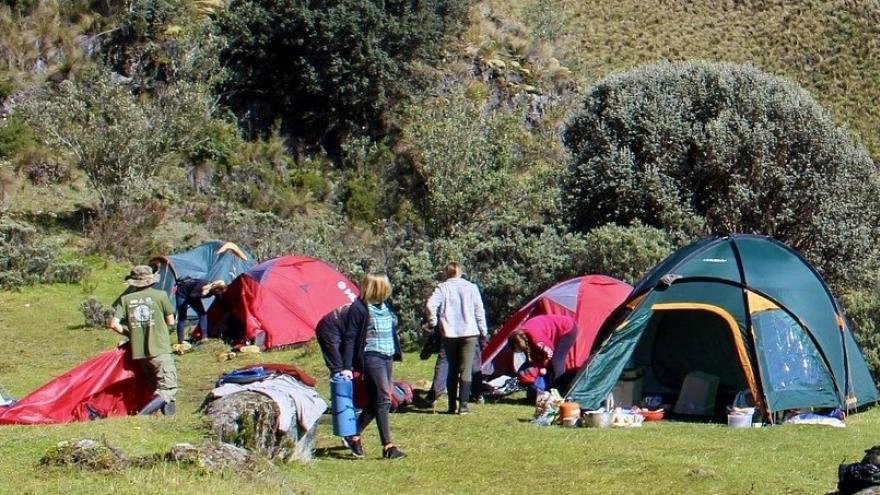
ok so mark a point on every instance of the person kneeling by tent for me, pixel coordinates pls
(546, 341)
(147, 313)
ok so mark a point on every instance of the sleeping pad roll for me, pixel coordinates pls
(342, 401)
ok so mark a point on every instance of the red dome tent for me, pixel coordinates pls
(110, 384)
(282, 298)
(589, 299)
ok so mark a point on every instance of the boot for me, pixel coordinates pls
(168, 408)
(153, 406)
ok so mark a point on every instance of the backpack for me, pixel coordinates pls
(242, 376)
(401, 394)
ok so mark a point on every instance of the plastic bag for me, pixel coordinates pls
(547, 407)
(853, 478)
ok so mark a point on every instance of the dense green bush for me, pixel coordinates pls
(697, 147)
(327, 68)
(119, 140)
(157, 42)
(626, 253)
(477, 166)
(863, 310)
(122, 142)
(15, 137)
(267, 235)
(25, 259)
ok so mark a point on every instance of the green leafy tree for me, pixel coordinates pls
(701, 147)
(327, 67)
(626, 253)
(122, 142)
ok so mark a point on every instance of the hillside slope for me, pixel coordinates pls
(831, 48)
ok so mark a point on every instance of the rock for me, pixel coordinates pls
(496, 63)
(701, 473)
(250, 420)
(85, 454)
(212, 455)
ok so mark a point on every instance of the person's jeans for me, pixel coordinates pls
(377, 378)
(441, 373)
(460, 353)
(183, 305)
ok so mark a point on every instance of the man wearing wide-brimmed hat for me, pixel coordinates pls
(147, 313)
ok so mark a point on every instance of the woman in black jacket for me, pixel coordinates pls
(369, 345)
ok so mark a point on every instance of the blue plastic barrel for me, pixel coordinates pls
(342, 405)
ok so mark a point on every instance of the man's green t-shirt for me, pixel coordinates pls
(144, 313)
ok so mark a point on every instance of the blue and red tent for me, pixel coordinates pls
(109, 384)
(283, 299)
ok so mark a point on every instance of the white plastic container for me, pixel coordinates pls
(739, 420)
(598, 419)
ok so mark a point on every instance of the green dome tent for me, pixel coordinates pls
(744, 308)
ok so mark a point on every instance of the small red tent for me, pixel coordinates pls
(110, 384)
(588, 299)
(284, 298)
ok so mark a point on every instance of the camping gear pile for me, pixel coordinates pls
(547, 407)
(271, 409)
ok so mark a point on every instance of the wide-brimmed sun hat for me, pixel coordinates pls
(141, 276)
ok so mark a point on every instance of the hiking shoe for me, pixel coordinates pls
(464, 409)
(393, 453)
(355, 446)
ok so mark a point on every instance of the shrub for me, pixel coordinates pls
(124, 229)
(360, 198)
(699, 147)
(863, 310)
(267, 235)
(15, 137)
(122, 142)
(345, 61)
(626, 253)
(95, 313)
(42, 168)
(477, 167)
(26, 260)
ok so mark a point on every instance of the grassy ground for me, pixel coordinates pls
(494, 450)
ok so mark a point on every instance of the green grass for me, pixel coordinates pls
(494, 450)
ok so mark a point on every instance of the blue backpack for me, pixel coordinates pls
(242, 376)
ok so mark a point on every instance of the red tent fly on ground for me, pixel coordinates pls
(588, 299)
(282, 298)
(110, 384)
